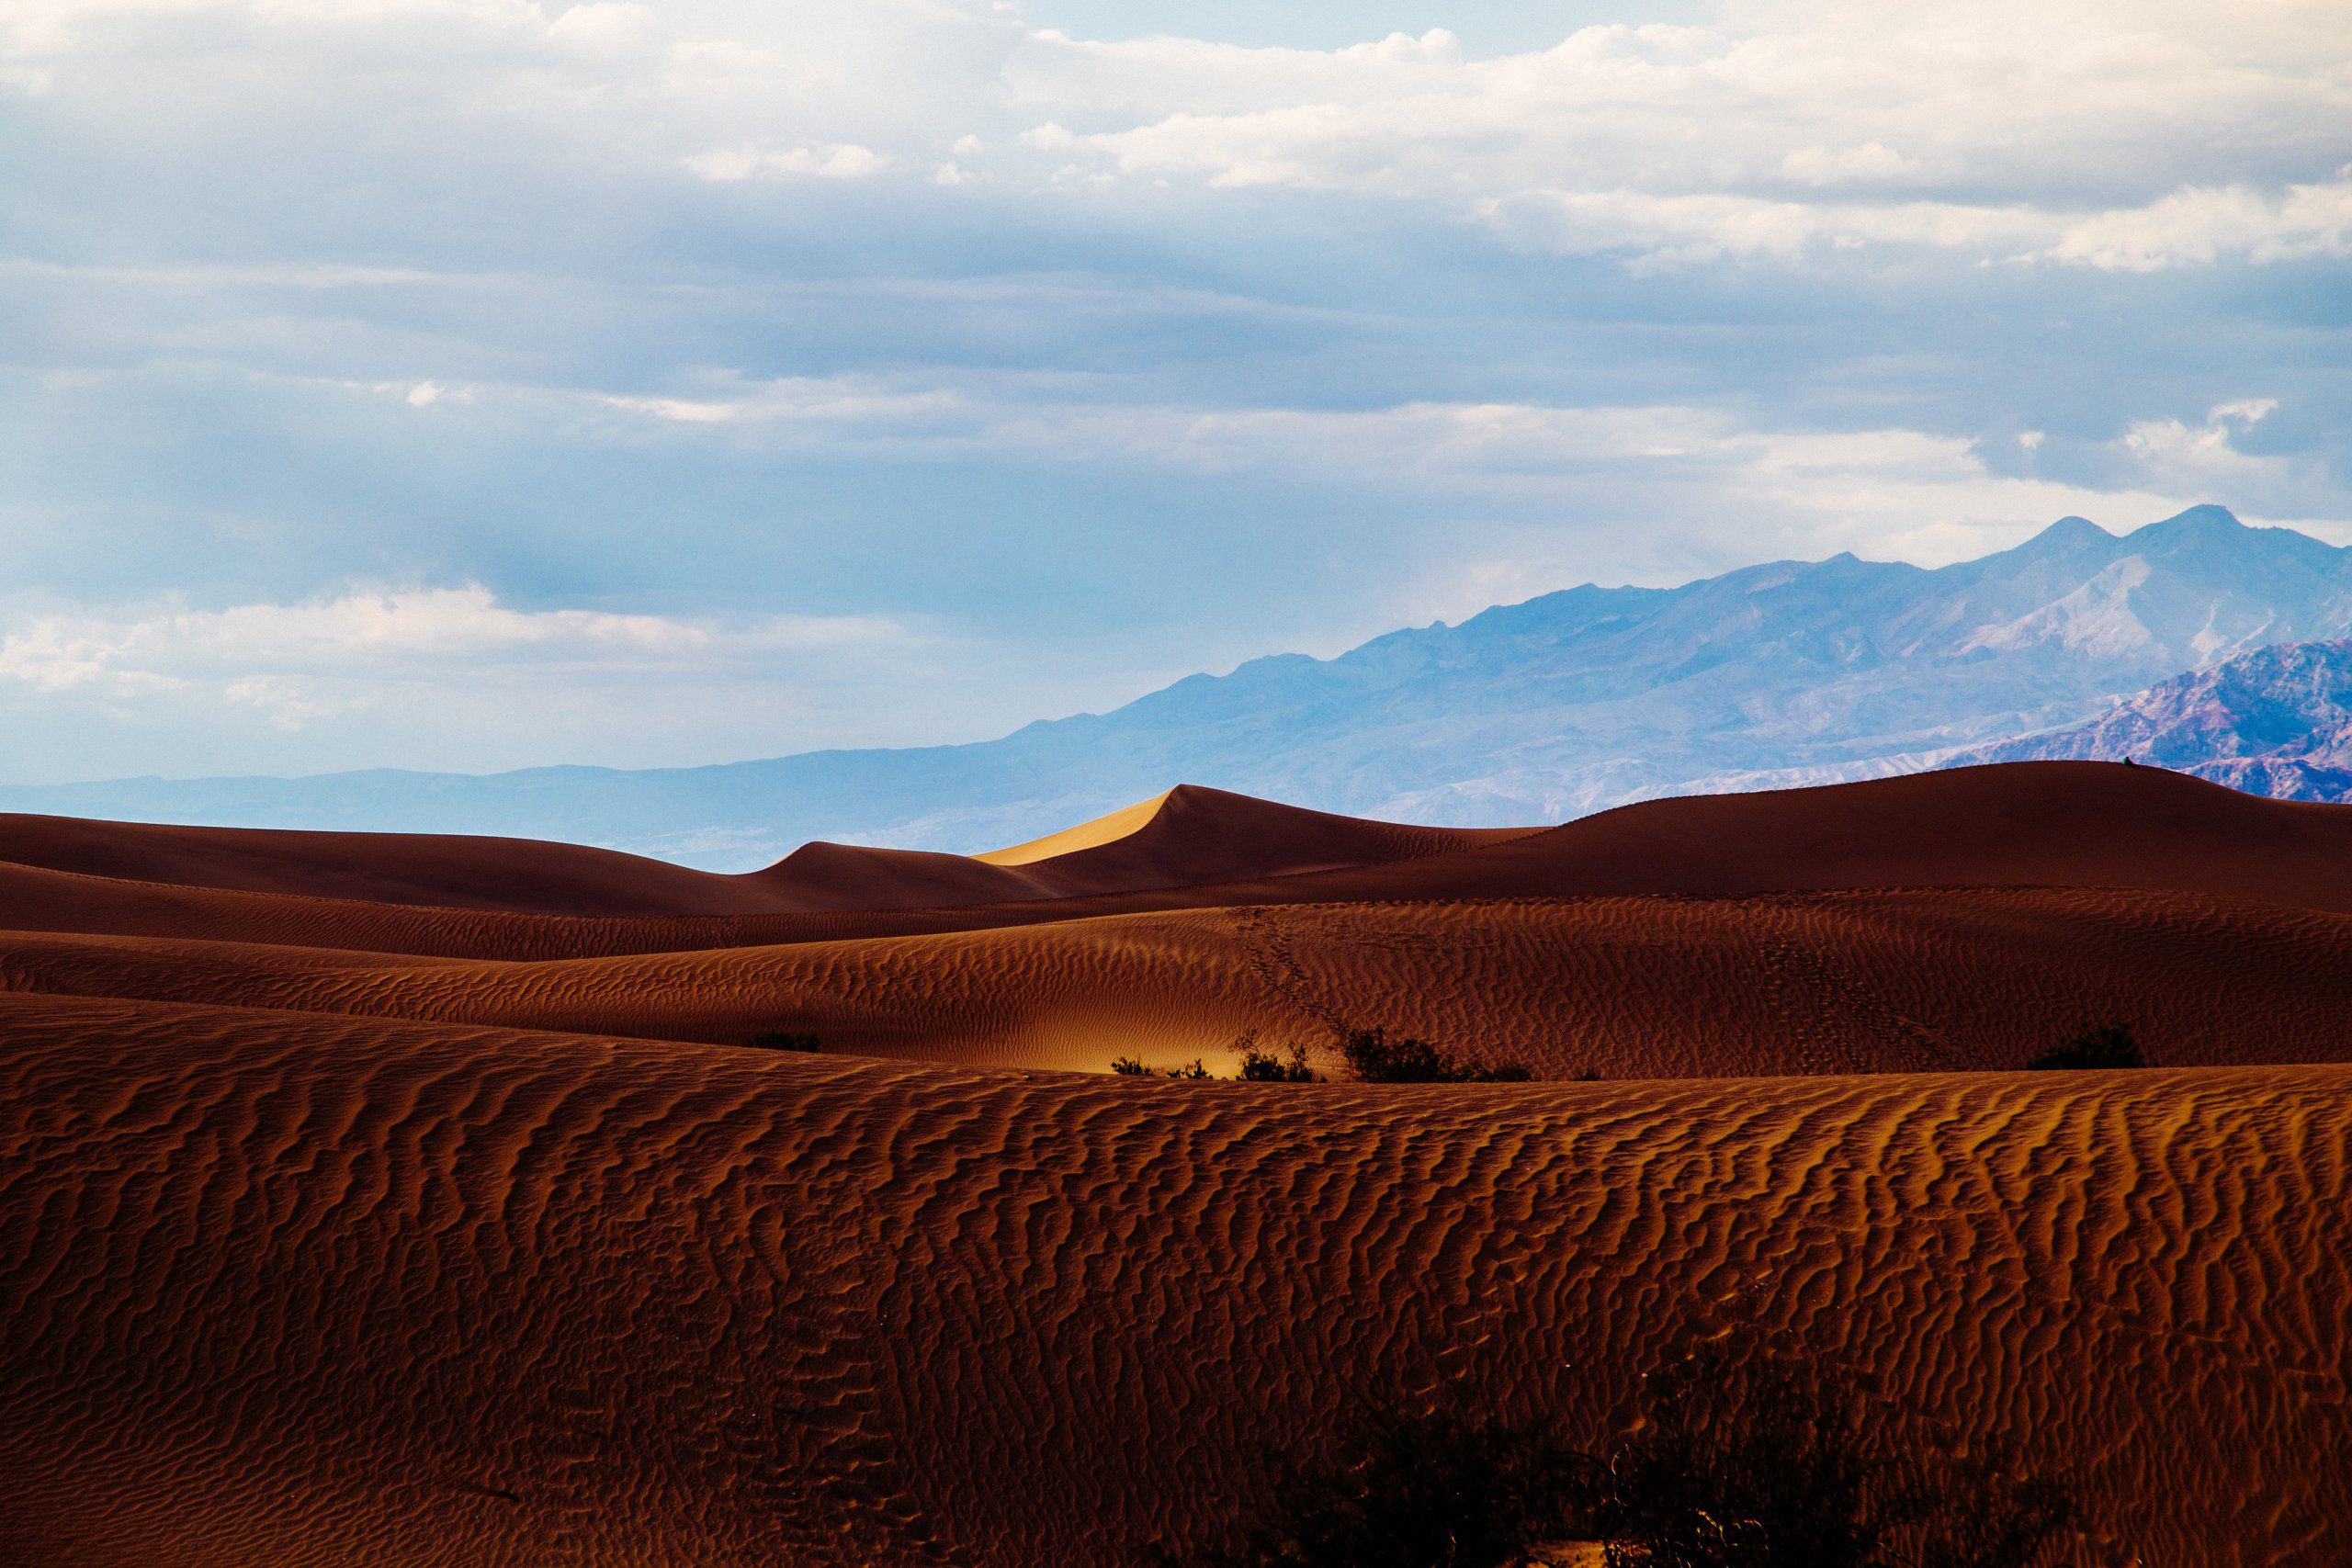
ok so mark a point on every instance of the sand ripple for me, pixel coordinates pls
(311, 1289)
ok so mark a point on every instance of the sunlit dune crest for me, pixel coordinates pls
(1084, 836)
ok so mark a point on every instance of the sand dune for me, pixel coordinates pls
(1102, 829)
(1194, 837)
(1865, 981)
(2075, 824)
(307, 1291)
(401, 1202)
(442, 870)
(2035, 824)
(1184, 837)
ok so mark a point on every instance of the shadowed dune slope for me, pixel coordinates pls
(315, 1290)
(2075, 824)
(1188, 835)
(1197, 837)
(444, 871)
(1863, 981)
(2037, 824)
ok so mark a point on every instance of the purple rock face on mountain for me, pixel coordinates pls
(2277, 721)
(1791, 672)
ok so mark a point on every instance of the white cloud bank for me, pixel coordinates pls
(298, 662)
(824, 162)
(1680, 490)
(2097, 133)
(451, 677)
(2024, 133)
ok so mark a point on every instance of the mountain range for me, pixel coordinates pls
(1784, 674)
(2277, 721)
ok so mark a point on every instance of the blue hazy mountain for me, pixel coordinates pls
(2275, 721)
(1791, 672)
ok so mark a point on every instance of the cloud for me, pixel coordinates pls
(425, 394)
(1713, 228)
(454, 678)
(2195, 226)
(301, 661)
(1992, 129)
(2098, 134)
(1869, 161)
(2207, 458)
(822, 161)
(1886, 490)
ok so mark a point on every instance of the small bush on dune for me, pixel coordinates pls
(1259, 1065)
(2112, 1045)
(1370, 1056)
(1128, 1068)
(784, 1040)
(1373, 1057)
(1410, 1488)
(1737, 1462)
(1768, 1462)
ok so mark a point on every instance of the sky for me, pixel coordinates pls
(478, 384)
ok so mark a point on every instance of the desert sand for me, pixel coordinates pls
(415, 1202)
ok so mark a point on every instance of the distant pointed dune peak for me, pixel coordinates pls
(820, 876)
(1183, 837)
(1198, 836)
(1084, 836)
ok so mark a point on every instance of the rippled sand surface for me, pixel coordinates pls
(349, 1230)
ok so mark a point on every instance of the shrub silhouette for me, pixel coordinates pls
(784, 1040)
(2112, 1045)
(1413, 1488)
(1373, 1057)
(1737, 1462)
(1127, 1066)
(1259, 1065)
(1766, 1462)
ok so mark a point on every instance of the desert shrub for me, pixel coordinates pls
(1374, 1056)
(784, 1040)
(1370, 1056)
(1765, 1461)
(1127, 1066)
(1409, 1487)
(1262, 1065)
(1739, 1460)
(2110, 1045)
